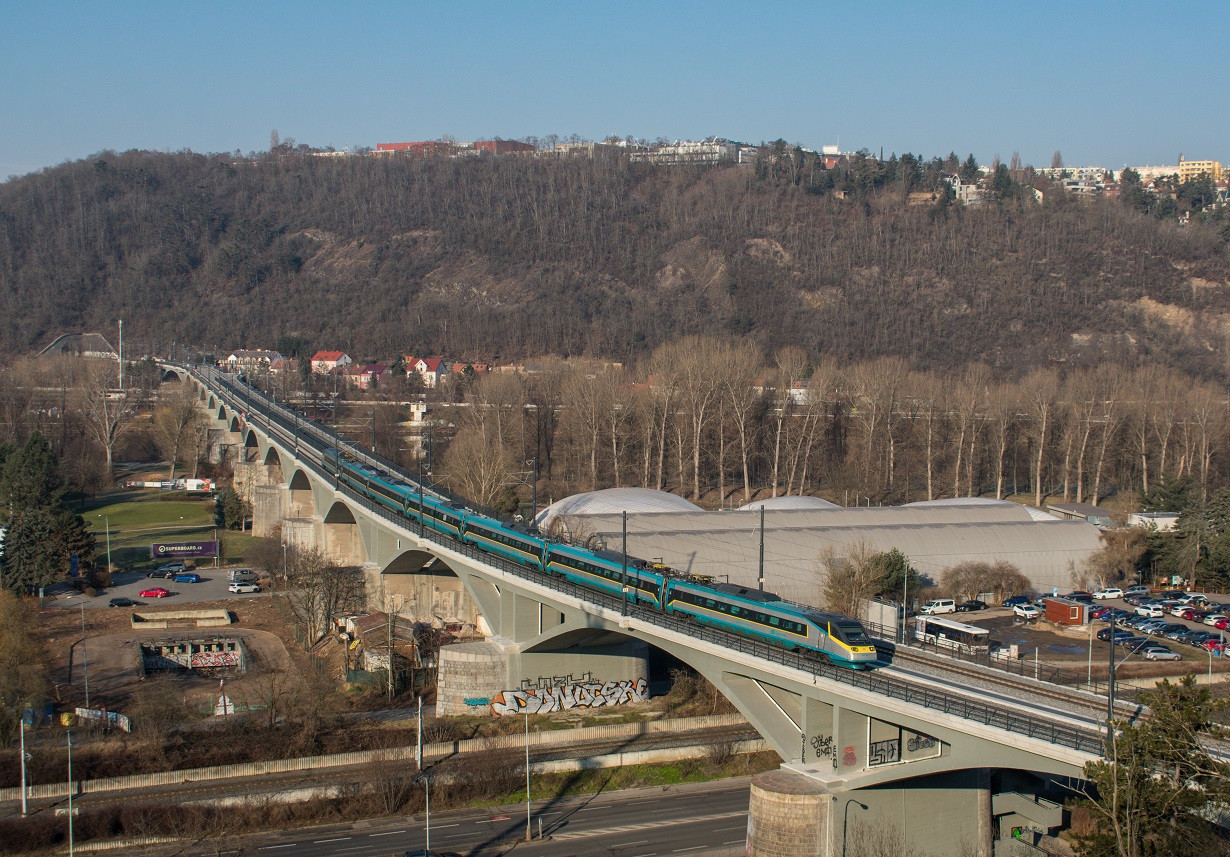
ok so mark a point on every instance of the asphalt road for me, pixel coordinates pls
(709, 818)
(211, 588)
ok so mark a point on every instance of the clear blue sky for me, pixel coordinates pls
(1105, 82)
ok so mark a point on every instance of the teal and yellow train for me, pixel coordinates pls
(747, 612)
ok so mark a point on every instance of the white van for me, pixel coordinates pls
(940, 605)
(241, 575)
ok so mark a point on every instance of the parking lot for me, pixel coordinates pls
(130, 584)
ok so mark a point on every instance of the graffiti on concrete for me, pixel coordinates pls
(824, 747)
(209, 660)
(566, 695)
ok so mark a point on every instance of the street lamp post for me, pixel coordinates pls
(845, 822)
(426, 812)
(107, 521)
(85, 660)
(70, 792)
(527, 775)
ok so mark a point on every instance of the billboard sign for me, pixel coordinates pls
(180, 550)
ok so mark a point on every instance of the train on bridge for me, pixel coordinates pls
(748, 612)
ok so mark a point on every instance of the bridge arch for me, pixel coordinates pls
(212, 403)
(301, 503)
(251, 446)
(235, 426)
(272, 460)
(343, 541)
(221, 413)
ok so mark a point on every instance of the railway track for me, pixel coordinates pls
(1087, 704)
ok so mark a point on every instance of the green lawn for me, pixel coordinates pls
(137, 518)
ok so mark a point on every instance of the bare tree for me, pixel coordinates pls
(1111, 384)
(174, 425)
(321, 590)
(1002, 411)
(791, 363)
(105, 409)
(969, 396)
(741, 400)
(1039, 392)
(924, 390)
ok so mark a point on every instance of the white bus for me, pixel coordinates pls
(950, 634)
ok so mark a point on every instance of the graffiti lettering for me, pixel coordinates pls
(884, 752)
(568, 695)
(207, 660)
(824, 747)
(849, 756)
(920, 742)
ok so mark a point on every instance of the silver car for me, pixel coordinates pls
(1160, 653)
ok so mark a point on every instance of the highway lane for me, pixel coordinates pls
(660, 822)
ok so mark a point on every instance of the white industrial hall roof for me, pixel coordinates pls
(799, 542)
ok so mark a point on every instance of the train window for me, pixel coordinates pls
(773, 620)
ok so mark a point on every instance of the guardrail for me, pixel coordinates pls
(1083, 740)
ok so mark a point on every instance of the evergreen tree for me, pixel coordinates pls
(42, 532)
(229, 510)
(1158, 780)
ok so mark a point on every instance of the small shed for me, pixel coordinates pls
(1065, 611)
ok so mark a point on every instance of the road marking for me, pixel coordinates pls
(693, 848)
(455, 824)
(633, 828)
(735, 842)
(630, 844)
(334, 839)
(724, 829)
(287, 845)
(389, 833)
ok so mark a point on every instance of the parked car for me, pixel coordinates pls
(1222, 625)
(1159, 653)
(187, 577)
(122, 602)
(971, 605)
(1116, 633)
(240, 586)
(1100, 613)
(1171, 593)
(1109, 592)
(168, 570)
(1214, 618)
(1179, 635)
(1191, 614)
(1138, 589)
(1178, 610)
(1015, 600)
(1153, 612)
(1026, 611)
(1191, 598)
(939, 605)
(156, 592)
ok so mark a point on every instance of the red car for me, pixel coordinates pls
(1222, 624)
(1191, 614)
(156, 592)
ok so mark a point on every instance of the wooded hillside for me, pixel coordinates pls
(511, 257)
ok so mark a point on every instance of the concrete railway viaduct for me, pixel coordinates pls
(939, 766)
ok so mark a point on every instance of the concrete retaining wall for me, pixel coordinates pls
(554, 737)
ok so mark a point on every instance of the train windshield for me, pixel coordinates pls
(851, 632)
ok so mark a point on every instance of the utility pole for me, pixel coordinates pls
(121, 360)
(69, 733)
(1110, 690)
(390, 656)
(527, 772)
(418, 752)
(623, 576)
(22, 723)
(905, 600)
(761, 577)
(85, 661)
